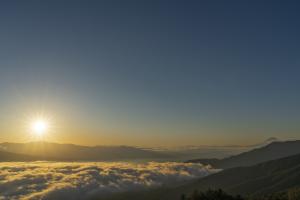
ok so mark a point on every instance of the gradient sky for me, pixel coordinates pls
(151, 73)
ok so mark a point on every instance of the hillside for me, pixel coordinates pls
(275, 150)
(8, 157)
(265, 178)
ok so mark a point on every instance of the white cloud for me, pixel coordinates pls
(77, 181)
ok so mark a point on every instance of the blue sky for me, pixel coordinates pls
(151, 72)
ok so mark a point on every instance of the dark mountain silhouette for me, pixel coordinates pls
(8, 157)
(272, 151)
(265, 178)
(262, 179)
(71, 152)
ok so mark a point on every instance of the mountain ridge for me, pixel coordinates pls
(16, 157)
(275, 150)
(72, 152)
(258, 180)
(263, 178)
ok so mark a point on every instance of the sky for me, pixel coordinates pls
(150, 73)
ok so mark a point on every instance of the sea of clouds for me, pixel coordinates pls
(86, 180)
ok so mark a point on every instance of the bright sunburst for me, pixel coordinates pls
(39, 127)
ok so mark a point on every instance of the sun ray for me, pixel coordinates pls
(39, 127)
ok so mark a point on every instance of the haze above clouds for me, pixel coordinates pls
(77, 181)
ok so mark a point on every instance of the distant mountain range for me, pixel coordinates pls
(8, 157)
(71, 152)
(272, 151)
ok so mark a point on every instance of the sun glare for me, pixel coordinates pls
(39, 127)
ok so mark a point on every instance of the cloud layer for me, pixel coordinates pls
(78, 181)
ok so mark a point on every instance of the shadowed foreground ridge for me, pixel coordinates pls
(262, 179)
(291, 194)
(211, 195)
(272, 180)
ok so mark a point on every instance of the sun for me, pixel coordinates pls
(39, 127)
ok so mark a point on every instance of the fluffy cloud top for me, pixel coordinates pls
(77, 181)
